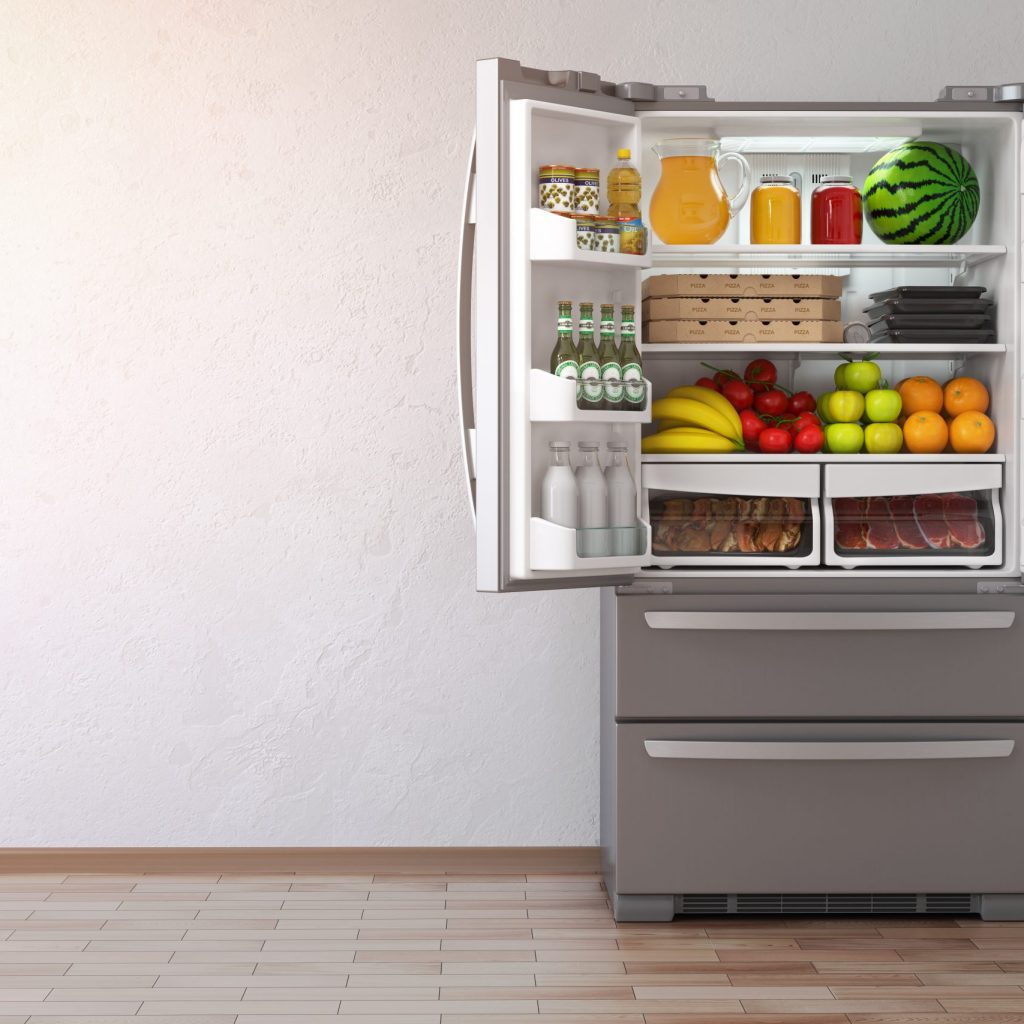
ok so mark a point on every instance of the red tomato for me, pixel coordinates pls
(775, 441)
(805, 419)
(771, 402)
(707, 382)
(761, 374)
(722, 377)
(752, 425)
(738, 394)
(802, 401)
(810, 439)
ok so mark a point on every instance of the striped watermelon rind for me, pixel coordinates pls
(921, 193)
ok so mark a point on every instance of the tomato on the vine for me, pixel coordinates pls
(707, 382)
(811, 439)
(771, 402)
(752, 425)
(722, 377)
(805, 419)
(775, 441)
(738, 394)
(802, 401)
(761, 374)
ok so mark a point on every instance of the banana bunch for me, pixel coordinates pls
(694, 419)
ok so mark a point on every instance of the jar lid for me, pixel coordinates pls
(837, 179)
(564, 170)
(776, 179)
(590, 446)
(587, 172)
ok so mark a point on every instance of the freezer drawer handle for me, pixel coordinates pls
(805, 750)
(844, 620)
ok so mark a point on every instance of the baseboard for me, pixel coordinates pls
(505, 860)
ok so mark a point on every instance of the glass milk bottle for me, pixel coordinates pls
(559, 495)
(621, 500)
(593, 521)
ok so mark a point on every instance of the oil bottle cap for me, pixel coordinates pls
(624, 154)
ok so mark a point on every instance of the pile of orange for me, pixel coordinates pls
(936, 415)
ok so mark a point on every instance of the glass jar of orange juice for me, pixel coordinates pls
(775, 211)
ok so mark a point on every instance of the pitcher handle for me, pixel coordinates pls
(736, 201)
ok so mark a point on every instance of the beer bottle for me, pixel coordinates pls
(608, 356)
(589, 393)
(634, 389)
(564, 357)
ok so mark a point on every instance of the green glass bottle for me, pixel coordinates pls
(608, 357)
(634, 390)
(590, 392)
(565, 360)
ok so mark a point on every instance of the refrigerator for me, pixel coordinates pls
(830, 728)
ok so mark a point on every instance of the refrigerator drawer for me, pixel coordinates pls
(819, 808)
(817, 655)
(914, 515)
(732, 516)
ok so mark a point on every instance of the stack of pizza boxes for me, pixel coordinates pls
(716, 309)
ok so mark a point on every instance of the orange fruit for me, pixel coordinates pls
(972, 432)
(920, 394)
(925, 433)
(965, 394)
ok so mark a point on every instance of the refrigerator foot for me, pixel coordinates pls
(643, 908)
(1006, 906)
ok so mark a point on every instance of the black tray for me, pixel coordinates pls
(940, 323)
(928, 306)
(916, 337)
(930, 291)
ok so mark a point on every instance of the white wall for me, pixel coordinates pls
(236, 586)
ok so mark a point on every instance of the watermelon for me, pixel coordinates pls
(921, 193)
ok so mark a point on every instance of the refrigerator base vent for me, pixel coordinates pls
(800, 903)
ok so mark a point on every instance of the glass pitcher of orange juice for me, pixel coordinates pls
(690, 205)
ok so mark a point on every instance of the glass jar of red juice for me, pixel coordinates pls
(836, 212)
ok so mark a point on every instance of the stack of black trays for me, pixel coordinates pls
(916, 315)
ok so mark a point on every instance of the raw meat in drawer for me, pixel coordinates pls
(928, 513)
(881, 531)
(961, 514)
(909, 533)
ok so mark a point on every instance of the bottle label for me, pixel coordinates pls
(586, 326)
(628, 329)
(591, 388)
(633, 379)
(567, 368)
(611, 375)
(564, 323)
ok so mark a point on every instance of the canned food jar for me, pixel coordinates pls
(836, 217)
(584, 231)
(632, 237)
(557, 188)
(606, 234)
(588, 189)
(775, 211)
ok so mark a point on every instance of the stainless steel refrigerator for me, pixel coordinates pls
(823, 730)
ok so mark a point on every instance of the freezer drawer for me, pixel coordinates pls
(816, 655)
(819, 808)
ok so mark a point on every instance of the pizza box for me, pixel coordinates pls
(724, 332)
(776, 308)
(818, 286)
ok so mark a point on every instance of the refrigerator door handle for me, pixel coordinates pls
(836, 620)
(464, 329)
(828, 750)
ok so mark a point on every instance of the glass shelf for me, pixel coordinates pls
(651, 350)
(692, 257)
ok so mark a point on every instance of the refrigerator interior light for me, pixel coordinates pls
(812, 144)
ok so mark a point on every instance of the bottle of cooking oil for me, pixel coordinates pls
(623, 204)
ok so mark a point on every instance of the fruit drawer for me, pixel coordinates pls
(714, 515)
(882, 516)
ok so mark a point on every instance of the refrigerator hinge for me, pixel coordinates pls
(649, 93)
(1013, 92)
(1016, 589)
(577, 81)
(644, 587)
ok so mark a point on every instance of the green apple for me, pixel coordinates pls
(862, 376)
(823, 406)
(840, 376)
(844, 438)
(883, 438)
(845, 406)
(882, 405)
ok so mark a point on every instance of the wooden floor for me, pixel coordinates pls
(460, 949)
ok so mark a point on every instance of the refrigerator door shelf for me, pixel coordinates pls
(556, 548)
(553, 400)
(553, 240)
